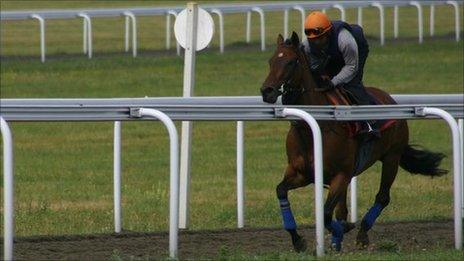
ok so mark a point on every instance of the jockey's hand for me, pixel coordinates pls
(326, 85)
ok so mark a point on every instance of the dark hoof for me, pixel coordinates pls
(336, 247)
(362, 240)
(347, 226)
(300, 245)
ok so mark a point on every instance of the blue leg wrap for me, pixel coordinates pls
(371, 216)
(337, 234)
(287, 215)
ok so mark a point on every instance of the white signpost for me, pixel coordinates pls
(193, 29)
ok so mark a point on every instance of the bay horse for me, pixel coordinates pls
(290, 75)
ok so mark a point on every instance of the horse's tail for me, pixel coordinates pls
(421, 161)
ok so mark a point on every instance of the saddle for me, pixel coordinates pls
(341, 97)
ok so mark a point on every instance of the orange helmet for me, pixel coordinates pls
(316, 24)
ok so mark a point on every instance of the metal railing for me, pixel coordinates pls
(130, 15)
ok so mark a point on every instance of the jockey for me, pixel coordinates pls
(337, 53)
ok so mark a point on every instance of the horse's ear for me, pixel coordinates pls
(280, 40)
(295, 39)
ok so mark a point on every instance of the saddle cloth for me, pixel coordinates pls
(339, 97)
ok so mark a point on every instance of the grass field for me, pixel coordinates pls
(63, 171)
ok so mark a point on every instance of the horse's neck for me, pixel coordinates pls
(310, 96)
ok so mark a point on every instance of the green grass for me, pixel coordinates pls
(63, 171)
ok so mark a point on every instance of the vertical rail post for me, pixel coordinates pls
(456, 171)
(461, 132)
(285, 23)
(382, 21)
(456, 18)
(395, 21)
(354, 199)
(303, 17)
(168, 31)
(8, 190)
(117, 177)
(262, 26)
(342, 11)
(42, 35)
(131, 16)
(240, 176)
(87, 34)
(420, 25)
(221, 28)
(360, 16)
(174, 177)
(318, 174)
(189, 83)
(432, 19)
(248, 27)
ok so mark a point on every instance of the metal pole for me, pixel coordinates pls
(189, 84)
(240, 176)
(395, 21)
(88, 31)
(174, 177)
(117, 176)
(248, 27)
(342, 11)
(84, 36)
(360, 16)
(432, 20)
(456, 18)
(461, 132)
(420, 25)
(168, 31)
(42, 35)
(126, 45)
(134, 32)
(382, 22)
(303, 17)
(318, 174)
(286, 23)
(262, 27)
(456, 169)
(8, 190)
(221, 28)
(354, 199)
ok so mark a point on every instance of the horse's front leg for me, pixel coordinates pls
(341, 214)
(337, 191)
(292, 179)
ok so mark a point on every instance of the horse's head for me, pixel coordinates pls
(285, 72)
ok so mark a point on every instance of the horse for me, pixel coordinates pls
(290, 76)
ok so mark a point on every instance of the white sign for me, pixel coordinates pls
(205, 29)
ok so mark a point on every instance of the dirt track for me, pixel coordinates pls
(403, 236)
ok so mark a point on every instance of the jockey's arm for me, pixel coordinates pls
(349, 49)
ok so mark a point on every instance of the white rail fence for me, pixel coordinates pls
(168, 109)
(131, 14)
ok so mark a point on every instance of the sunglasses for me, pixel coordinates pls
(314, 31)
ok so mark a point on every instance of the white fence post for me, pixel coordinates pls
(262, 26)
(286, 24)
(174, 177)
(420, 25)
(461, 132)
(42, 35)
(456, 18)
(303, 17)
(131, 16)
(186, 142)
(168, 31)
(87, 37)
(318, 174)
(354, 199)
(117, 176)
(456, 169)
(342, 11)
(248, 27)
(382, 21)
(432, 20)
(360, 16)
(240, 176)
(221, 28)
(8, 190)
(395, 21)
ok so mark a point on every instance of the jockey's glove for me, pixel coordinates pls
(326, 85)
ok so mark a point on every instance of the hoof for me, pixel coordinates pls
(362, 240)
(336, 247)
(347, 226)
(300, 245)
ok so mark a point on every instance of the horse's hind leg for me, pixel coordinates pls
(292, 180)
(389, 170)
(341, 214)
